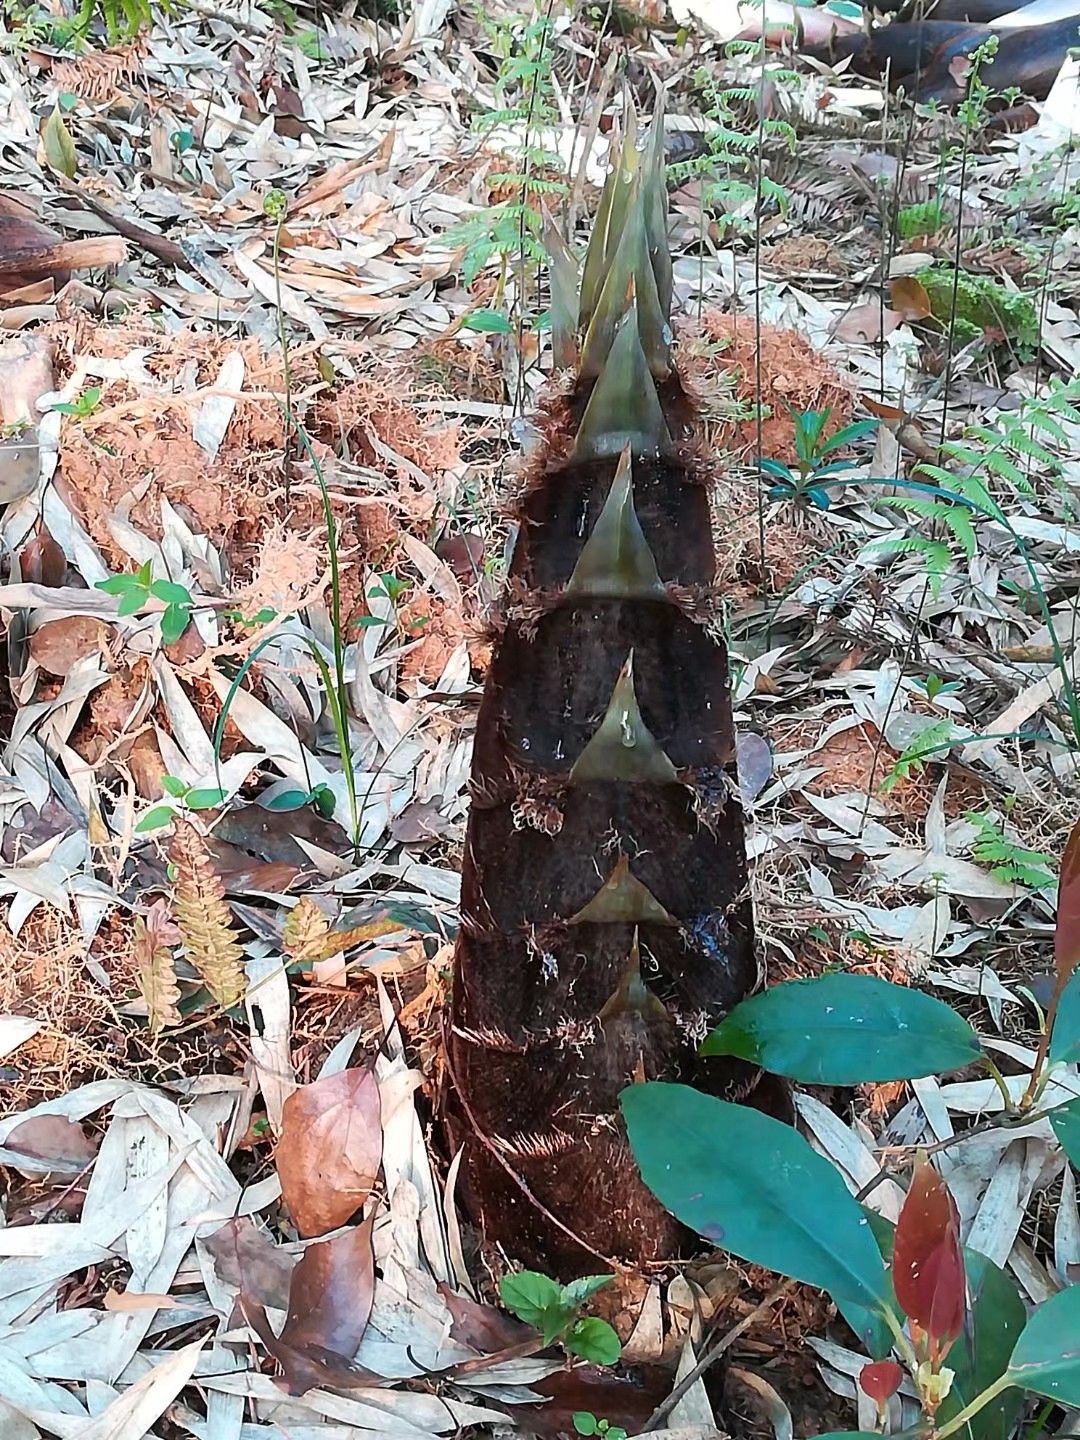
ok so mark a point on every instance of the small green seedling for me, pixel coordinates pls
(135, 590)
(283, 799)
(187, 797)
(812, 445)
(80, 408)
(553, 1310)
(586, 1423)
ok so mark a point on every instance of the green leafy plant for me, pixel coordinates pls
(727, 167)
(952, 1321)
(1007, 859)
(586, 1423)
(84, 405)
(121, 19)
(513, 228)
(813, 444)
(553, 1309)
(283, 796)
(935, 739)
(187, 797)
(915, 221)
(136, 590)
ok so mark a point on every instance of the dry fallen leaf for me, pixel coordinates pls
(154, 970)
(866, 324)
(909, 298)
(55, 1140)
(59, 645)
(330, 1149)
(330, 1302)
(132, 1301)
(246, 1259)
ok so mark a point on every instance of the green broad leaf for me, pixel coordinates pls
(174, 621)
(118, 584)
(287, 800)
(594, 1340)
(170, 592)
(1066, 1122)
(755, 1187)
(204, 799)
(131, 601)
(845, 1030)
(577, 1292)
(174, 786)
(537, 1300)
(982, 1352)
(324, 800)
(145, 575)
(585, 1423)
(778, 469)
(154, 819)
(1047, 1355)
(848, 434)
(489, 322)
(58, 146)
(1065, 1037)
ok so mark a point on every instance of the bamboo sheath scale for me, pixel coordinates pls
(606, 923)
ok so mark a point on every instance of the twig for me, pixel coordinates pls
(664, 1409)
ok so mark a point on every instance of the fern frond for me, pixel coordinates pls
(204, 918)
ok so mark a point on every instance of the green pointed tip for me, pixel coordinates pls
(632, 996)
(616, 562)
(654, 187)
(623, 900)
(624, 748)
(610, 215)
(624, 408)
(630, 273)
(563, 279)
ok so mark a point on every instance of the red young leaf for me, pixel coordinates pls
(1067, 930)
(329, 1307)
(880, 1380)
(928, 1265)
(330, 1149)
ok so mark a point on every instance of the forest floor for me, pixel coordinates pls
(299, 199)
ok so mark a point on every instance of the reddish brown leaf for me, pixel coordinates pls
(928, 1265)
(53, 1140)
(247, 1260)
(329, 1307)
(481, 1326)
(883, 412)
(330, 1149)
(1067, 930)
(909, 298)
(880, 1380)
(865, 324)
(42, 562)
(58, 645)
(464, 554)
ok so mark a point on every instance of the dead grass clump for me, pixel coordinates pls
(45, 974)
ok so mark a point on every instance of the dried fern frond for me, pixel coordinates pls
(155, 974)
(305, 927)
(204, 919)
